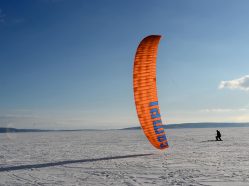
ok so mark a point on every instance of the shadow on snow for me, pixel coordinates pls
(43, 165)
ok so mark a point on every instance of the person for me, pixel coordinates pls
(218, 137)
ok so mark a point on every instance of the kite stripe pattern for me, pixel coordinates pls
(145, 91)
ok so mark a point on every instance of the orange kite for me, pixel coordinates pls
(145, 91)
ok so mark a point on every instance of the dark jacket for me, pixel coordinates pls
(218, 134)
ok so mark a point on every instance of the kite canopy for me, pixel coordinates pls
(145, 91)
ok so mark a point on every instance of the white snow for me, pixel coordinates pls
(192, 159)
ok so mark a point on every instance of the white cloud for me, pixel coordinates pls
(240, 83)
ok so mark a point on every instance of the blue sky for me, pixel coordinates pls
(68, 63)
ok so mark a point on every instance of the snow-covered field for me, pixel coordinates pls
(106, 158)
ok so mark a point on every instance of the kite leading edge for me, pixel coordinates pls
(145, 91)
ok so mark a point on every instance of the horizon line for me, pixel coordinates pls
(95, 129)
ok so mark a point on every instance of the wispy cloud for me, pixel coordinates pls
(240, 83)
(2, 16)
(225, 110)
(18, 20)
(59, 119)
(6, 20)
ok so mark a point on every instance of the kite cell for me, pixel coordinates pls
(145, 91)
